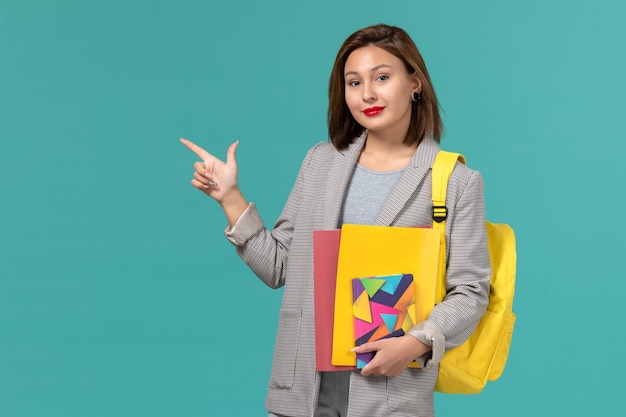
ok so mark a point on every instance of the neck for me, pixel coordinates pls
(381, 154)
(385, 145)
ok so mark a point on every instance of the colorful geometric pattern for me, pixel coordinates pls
(382, 306)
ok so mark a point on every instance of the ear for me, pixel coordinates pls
(417, 84)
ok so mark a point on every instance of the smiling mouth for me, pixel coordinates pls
(373, 111)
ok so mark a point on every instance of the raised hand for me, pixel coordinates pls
(218, 180)
(212, 176)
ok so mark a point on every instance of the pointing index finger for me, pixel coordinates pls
(196, 149)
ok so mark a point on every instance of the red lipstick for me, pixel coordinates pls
(373, 111)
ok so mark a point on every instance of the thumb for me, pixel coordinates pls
(231, 155)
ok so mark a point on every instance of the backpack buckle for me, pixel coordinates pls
(440, 213)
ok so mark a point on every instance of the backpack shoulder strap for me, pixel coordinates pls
(442, 170)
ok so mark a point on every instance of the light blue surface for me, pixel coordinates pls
(113, 269)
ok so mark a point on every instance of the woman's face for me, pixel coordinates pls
(379, 91)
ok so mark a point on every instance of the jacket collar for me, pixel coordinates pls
(341, 171)
(338, 178)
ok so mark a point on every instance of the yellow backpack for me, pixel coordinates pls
(466, 368)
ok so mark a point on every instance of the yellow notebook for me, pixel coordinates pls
(381, 250)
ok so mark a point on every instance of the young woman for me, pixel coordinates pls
(384, 128)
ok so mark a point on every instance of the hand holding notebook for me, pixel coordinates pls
(393, 355)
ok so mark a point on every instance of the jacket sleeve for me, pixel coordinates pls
(468, 274)
(266, 252)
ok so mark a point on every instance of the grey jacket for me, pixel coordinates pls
(284, 257)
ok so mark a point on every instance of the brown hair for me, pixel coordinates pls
(425, 120)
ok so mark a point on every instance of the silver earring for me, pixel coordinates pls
(417, 96)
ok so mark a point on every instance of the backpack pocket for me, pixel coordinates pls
(502, 350)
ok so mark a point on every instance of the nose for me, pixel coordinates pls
(368, 93)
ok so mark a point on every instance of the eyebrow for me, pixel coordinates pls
(376, 68)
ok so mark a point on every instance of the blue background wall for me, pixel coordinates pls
(113, 268)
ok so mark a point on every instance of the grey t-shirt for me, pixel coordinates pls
(366, 195)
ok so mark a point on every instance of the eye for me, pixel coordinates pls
(353, 83)
(382, 78)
